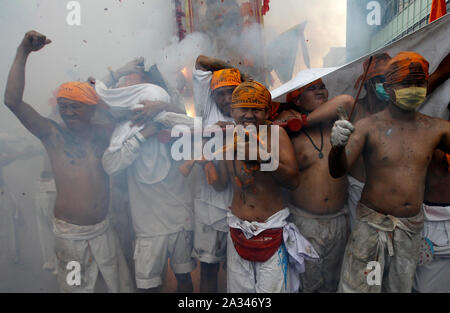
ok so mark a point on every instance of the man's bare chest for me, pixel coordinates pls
(400, 145)
(312, 148)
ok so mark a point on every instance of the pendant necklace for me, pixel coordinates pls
(321, 139)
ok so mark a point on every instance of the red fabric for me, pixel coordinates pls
(258, 248)
(265, 7)
(438, 9)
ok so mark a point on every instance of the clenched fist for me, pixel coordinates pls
(34, 41)
(341, 132)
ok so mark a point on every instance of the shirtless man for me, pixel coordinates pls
(375, 101)
(75, 149)
(397, 145)
(318, 204)
(257, 209)
(434, 276)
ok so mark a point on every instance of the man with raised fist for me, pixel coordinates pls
(75, 148)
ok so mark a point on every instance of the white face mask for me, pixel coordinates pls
(410, 98)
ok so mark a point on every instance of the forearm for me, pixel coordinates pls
(16, 80)
(337, 162)
(327, 111)
(111, 79)
(222, 182)
(440, 75)
(117, 159)
(211, 64)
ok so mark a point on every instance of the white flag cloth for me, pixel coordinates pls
(431, 41)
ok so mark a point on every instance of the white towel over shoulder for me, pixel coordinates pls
(152, 163)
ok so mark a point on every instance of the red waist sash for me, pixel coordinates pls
(258, 248)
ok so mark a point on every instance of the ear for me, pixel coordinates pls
(267, 114)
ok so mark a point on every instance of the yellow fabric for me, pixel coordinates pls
(78, 91)
(225, 78)
(410, 98)
(251, 95)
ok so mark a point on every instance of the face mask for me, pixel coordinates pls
(410, 98)
(381, 93)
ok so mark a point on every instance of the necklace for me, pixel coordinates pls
(321, 139)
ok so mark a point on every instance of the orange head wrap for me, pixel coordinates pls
(226, 77)
(78, 91)
(377, 67)
(407, 67)
(290, 98)
(251, 95)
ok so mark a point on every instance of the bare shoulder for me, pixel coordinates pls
(367, 123)
(433, 122)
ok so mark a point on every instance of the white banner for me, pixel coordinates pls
(431, 41)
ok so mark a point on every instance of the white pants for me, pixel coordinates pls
(151, 254)
(8, 224)
(94, 248)
(210, 241)
(45, 202)
(435, 275)
(257, 277)
(354, 189)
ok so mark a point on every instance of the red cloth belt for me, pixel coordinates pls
(258, 248)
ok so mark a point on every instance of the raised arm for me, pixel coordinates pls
(38, 125)
(342, 155)
(325, 112)
(439, 76)
(205, 63)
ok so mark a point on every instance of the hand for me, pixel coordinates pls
(135, 66)
(34, 41)
(342, 129)
(147, 112)
(149, 130)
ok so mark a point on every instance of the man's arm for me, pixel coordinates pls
(439, 76)
(287, 173)
(222, 183)
(134, 66)
(327, 111)
(205, 63)
(323, 113)
(38, 125)
(121, 154)
(342, 155)
(151, 109)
